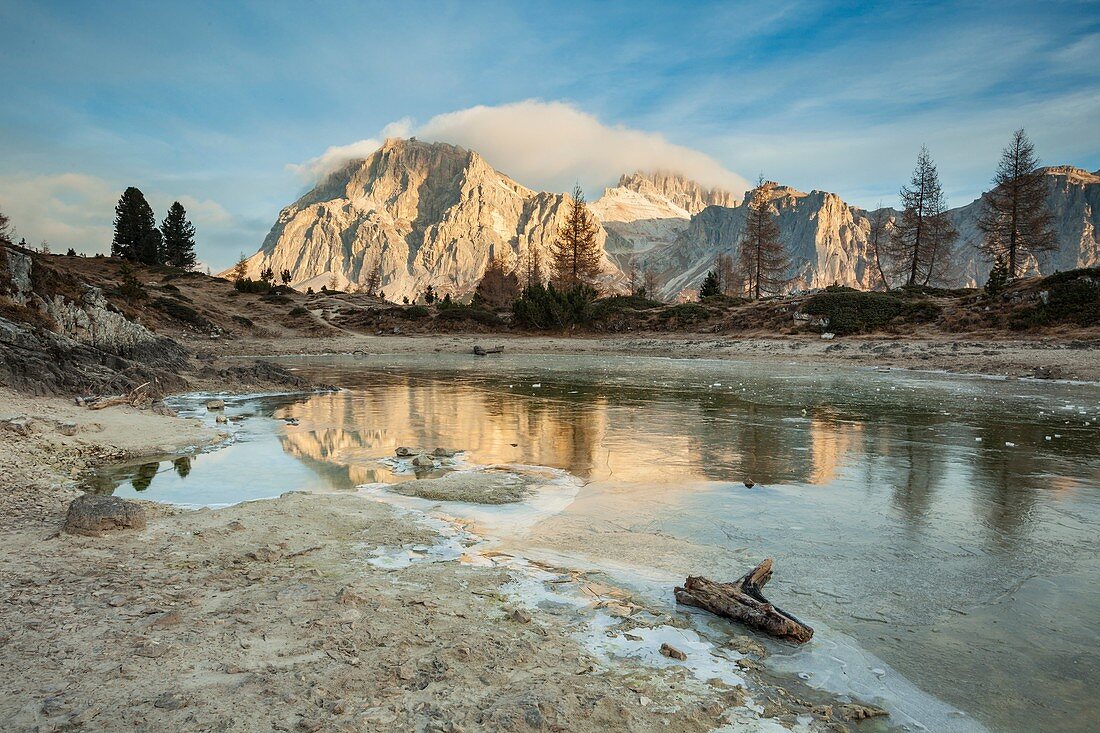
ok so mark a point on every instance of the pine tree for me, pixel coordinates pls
(575, 253)
(179, 238)
(763, 261)
(497, 288)
(286, 277)
(998, 278)
(1015, 218)
(240, 270)
(922, 239)
(374, 277)
(710, 286)
(6, 231)
(532, 267)
(136, 235)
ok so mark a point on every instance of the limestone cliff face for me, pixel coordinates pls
(430, 213)
(827, 238)
(434, 214)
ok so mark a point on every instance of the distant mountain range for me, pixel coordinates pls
(435, 214)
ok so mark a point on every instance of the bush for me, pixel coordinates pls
(858, 312)
(244, 321)
(415, 311)
(686, 313)
(1072, 298)
(248, 285)
(546, 307)
(276, 299)
(181, 312)
(299, 311)
(622, 303)
(477, 315)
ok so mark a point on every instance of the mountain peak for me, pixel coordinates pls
(682, 191)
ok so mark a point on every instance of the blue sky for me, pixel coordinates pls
(223, 105)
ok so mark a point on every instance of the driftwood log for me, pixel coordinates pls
(742, 601)
(481, 351)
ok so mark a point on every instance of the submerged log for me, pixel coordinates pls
(742, 601)
(481, 351)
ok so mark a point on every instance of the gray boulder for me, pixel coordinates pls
(94, 514)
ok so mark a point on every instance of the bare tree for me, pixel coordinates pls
(1015, 218)
(498, 288)
(921, 241)
(6, 230)
(575, 253)
(632, 277)
(729, 281)
(650, 283)
(763, 261)
(877, 240)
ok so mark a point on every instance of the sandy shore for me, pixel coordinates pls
(1049, 358)
(269, 616)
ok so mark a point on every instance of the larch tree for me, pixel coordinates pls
(374, 278)
(763, 262)
(240, 270)
(179, 238)
(922, 239)
(1015, 220)
(136, 235)
(498, 287)
(575, 252)
(877, 239)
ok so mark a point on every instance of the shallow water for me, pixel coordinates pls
(940, 532)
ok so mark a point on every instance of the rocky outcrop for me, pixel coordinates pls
(424, 213)
(88, 347)
(94, 515)
(681, 192)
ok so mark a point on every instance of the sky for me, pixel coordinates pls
(233, 108)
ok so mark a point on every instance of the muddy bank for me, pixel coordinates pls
(270, 615)
(1043, 359)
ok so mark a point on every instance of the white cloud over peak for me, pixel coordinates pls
(544, 145)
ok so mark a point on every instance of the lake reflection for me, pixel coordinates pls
(950, 525)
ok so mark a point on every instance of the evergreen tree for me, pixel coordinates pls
(6, 231)
(286, 277)
(922, 239)
(374, 277)
(1015, 219)
(763, 261)
(575, 252)
(710, 286)
(498, 288)
(429, 295)
(998, 278)
(179, 238)
(240, 270)
(136, 235)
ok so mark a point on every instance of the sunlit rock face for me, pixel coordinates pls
(827, 238)
(431, 213)
(434, 214)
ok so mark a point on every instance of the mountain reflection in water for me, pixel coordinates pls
(932, 518)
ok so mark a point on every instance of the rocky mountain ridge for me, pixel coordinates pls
(435, 214)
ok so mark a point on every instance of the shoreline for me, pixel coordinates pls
(1048, 359)
(267, 615)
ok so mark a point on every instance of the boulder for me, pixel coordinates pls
(404, 452)
(94, 514)
(215, 404)
(423, 461)
(444, 452)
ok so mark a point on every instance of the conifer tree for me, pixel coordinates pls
(922, 239)
(1015, 219)
(710, 286)
(240, 270)
(179, 238)
(6, 231)
(763, 262)
(877, 241)
(136, 235)
(575, 252)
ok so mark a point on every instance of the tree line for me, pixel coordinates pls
(916, 247)
(137, 237)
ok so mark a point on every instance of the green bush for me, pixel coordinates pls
(1073, 298)
(857, 312)
(547, 307)
(686, 313)
(415, 311)
(477, 315)
(299, 311)
(248, 285)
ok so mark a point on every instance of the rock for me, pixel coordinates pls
(215, 404)
(521, 616)
(170, 701)
(423, 461)
(444, 452)
(749, 483)
(21, 425)
(404, 452)
(93, 514)
(221, 419)
(828, 336)
(853, 711)
(68, 428)
(672, 652)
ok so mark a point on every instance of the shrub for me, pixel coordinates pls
(477, 315)
(248, 285)
(244, 321)
(547, 307)
(686, 313)
(299, 311)
(276, 299)
(858, 312)
(181, 312)
(1072, 298)
(415, 311)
